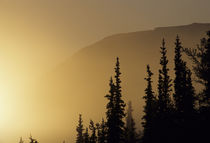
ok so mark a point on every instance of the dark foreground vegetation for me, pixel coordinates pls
(177, 113)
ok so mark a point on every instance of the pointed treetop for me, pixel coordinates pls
(163, 47)
(178, 41)
(149, 71)
(118, 59)
(118, 62)
(163, 42)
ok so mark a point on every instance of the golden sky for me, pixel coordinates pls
(37, 35)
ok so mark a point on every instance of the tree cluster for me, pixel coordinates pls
(114, 129)
(175, 117)
(177, 113)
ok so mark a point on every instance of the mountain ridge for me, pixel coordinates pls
(156, 29)
(83, 79)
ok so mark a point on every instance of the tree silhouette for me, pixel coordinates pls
(150, 109)
(115, 109)
(93, 137)
(183, 96)
(166, 119)
(180, 77)
(79, 130)
(164, 83)
(184, 91)
(119, 106)
(164, 104)
(110, 114)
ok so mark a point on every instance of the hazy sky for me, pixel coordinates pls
(36, 35)
(32, 29)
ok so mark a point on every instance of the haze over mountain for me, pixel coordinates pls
(79, 84)
(38, 35)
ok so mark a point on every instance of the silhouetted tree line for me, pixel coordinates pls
(114, 129)
(175, 114)
(175, 117)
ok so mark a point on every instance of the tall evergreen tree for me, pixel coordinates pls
(180, 77)
(201, 59)
(110, 114)
(184, 92)
(115, 109)
(130, 129)
(93, 137)
(164, 83)
(150, 108)
(183, 96)
(79, 130)
(119, 106)
(164, 104)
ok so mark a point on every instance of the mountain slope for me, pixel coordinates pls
(81, 82)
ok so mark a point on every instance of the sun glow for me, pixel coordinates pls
(6, 104)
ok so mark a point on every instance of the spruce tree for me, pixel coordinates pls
(184, 91)
(180, 77)
(150, 108)
(115, 109)
(79, 130)
(183, 96)
(164, 105)
(164, 83)
(130, 129)
(93, 137)
(119, 106)
(110, 114)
